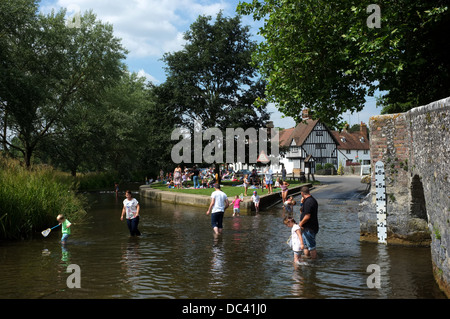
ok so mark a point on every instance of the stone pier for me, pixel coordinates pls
(415, 149)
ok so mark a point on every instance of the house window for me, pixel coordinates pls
(319, 133)
(366, 151)
(320, 146)
(348, 151)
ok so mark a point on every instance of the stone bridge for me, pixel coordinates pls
(415, 149)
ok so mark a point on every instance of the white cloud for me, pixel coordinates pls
(148, 77)
(148, 28)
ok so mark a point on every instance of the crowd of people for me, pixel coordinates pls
(206, 178)
(195, 177)
(302, 240)
(303, 233)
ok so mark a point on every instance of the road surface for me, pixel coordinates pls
(339, 188)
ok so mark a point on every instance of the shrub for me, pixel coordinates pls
(30, 199)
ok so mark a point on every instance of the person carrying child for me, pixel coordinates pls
(236, 206)
(296, 240)
(65, 224)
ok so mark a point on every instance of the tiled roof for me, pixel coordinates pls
(298, 133)
(352, 140)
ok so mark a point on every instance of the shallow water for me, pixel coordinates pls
(179, 257)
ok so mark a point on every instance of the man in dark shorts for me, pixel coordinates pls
(219, 202)
(309, 222)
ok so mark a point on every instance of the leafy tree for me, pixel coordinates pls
(13, 17)
(212, 78)
(47, 66)
(158, 121)
(322, 55)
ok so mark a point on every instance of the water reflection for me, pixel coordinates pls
(217, 266)
(65, 255)
(131, 262)
(178, 256)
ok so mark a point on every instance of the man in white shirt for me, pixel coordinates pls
(219, 202)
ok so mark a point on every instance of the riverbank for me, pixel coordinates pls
(30, 199)
(186, 198)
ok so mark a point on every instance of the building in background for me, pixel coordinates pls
(353, 148)
(307, 144)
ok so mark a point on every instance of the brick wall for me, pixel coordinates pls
(415, 149)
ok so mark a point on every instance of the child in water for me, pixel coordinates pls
(65, 224)
(236, 205)
(288, 205)
(296, 240)
(255, 199)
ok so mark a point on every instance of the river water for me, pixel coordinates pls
(178, 256)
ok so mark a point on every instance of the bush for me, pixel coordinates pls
(30, 199)
(97, 180)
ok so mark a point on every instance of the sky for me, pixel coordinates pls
(150, 28)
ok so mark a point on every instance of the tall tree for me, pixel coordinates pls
(47, 65)
(157, 119)
(212, 78)
(324, 55)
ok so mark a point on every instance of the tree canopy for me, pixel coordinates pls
(47, 66)
(212, 79)
(67, 98)
(325, 56)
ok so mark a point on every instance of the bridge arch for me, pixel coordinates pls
(414, 148)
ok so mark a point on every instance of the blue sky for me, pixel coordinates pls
(149, 28)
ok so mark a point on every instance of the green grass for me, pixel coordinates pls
(227, 188)
(30, 199)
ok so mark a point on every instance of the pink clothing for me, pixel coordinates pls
(237, 203)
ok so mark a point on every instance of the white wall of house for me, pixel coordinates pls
(354, 155)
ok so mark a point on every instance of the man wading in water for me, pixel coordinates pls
(309, 223)
(219, 202)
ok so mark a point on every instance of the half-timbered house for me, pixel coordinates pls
(307, 144)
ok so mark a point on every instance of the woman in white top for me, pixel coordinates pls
(131, 209)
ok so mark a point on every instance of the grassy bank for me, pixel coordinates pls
(31, 199)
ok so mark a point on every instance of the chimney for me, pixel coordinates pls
(305, 114)
(363, 129)
(345, 129)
